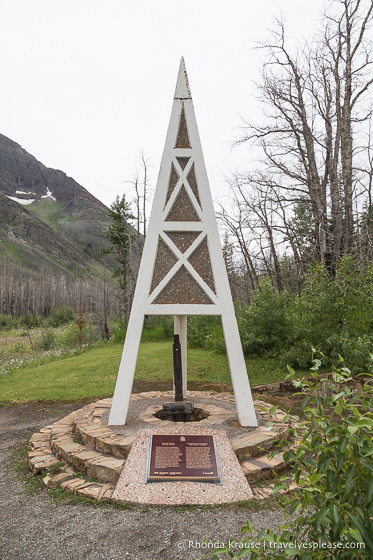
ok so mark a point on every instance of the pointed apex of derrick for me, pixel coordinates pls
(182, 90)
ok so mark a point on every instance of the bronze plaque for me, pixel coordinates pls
(182, 457)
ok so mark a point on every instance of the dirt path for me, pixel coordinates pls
(32, 527)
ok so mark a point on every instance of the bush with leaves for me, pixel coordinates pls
(60, 316)
(157, 328)
(333, 468)
(118, 329)
(299, 355)
(68, 337)
(47, 341)
(265, 326)
(206, 332)
(334, 314)
(30, 320)
(5, 323)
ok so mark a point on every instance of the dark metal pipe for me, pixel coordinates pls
(178, 374)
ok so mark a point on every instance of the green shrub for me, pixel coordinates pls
(74, 336)
(47, 342)
(266, 326)
(333, 468)
(206, 332)
(30, 320)
(335, 315)
(299, 355)
(118, 330)
(60, 316)
(5, 322)
(357, 351)
(157, 328)
(68, 338)
(91, 333)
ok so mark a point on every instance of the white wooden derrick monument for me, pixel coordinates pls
(182, 270)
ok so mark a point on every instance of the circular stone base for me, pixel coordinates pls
(84, 441)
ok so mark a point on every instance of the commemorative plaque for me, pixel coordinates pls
(182, 457)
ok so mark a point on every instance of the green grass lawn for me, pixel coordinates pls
(92, 374)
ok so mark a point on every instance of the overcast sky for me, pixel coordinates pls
(87, 84)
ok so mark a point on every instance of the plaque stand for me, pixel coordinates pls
(132, 488)
(183, 457)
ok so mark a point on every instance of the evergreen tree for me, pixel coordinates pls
(121, 235)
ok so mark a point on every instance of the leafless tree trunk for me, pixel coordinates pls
(142, 190)
(316, 108)
(23, 291)
(144, 164)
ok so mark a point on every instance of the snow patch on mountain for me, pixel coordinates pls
(23, 201)
(48, 195)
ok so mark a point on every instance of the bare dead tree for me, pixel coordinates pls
(316, 109)
(349, 67)
(137, 201)
(144, 165)
(255, 219)
(234, 224)
(24, 291)
(140, 183)
(365, 183)
(260, 206)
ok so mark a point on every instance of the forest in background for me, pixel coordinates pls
(297, 229)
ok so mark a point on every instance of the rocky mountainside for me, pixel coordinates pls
(46, 218)
(27, 241)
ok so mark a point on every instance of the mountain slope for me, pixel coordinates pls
(47, 218)
(23, 176)
(27, 241)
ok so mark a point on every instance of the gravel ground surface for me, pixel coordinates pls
(32, 527)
